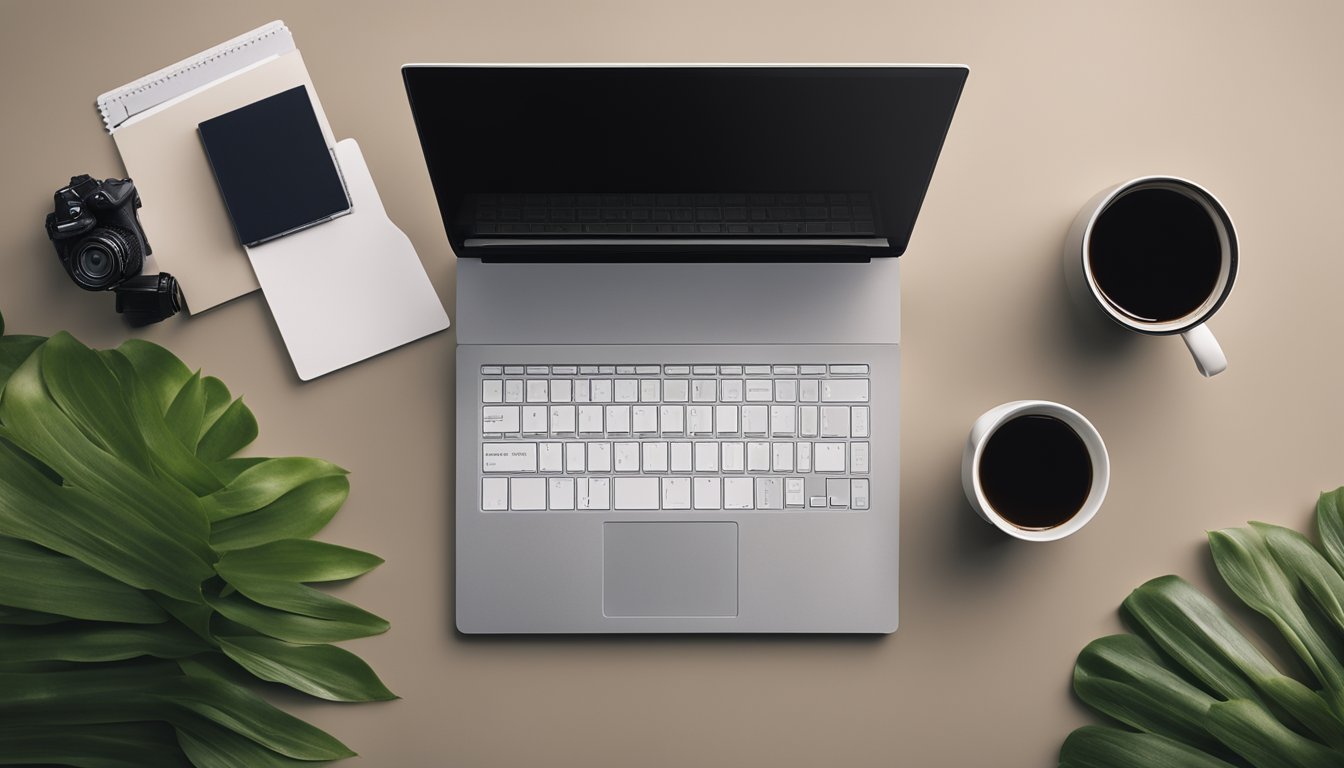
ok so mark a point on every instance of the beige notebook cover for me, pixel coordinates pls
(184, 215)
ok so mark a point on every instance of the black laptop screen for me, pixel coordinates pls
(723, 159)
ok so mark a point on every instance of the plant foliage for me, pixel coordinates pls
(1195, 691)
(146, 573)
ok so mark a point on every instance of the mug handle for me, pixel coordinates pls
(1209, 357)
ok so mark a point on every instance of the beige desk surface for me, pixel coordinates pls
(1064, 98)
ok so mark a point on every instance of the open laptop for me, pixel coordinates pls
(679, 338)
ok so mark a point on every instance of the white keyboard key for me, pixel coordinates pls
(562, 419)
(781, 457)
(513, 391)
(564, 370)
(760, 390)
(655, 457)
(618, 419)
(754, 419)
(625, 369)
(706, 492)
(627, 457)
(858, 420)
(704, 390)
(785, 370)
(808, 389)
(590, 419)
(793, 492)
(593, 492)
(737, 493)
(494, 494)
(534, 419)
(677, 370)
(499, 419)
(837, 491)
(673, 418)
(562, 391)
(644, 418)
(734, 457)
(551, 457)
(601, 390)
(804, 457)
(538, 370)
(650, 390)
(681, 457)
(648, 369)
(588, 370)
(828, 457)
(676, 493)
(844, 391)
(704, 370)
(635, 492)
(758, 457)
(599, 457)
(726, 415)
(528, 494)
(583, 391)
(769, 493)
(786, 390)
(627, 390)
(727, 370)
(812, 370)
(850, 369)
(835, 421)
(537, 390)
(858, 458)
(858, 494)
(732, 390)
(706, 457)
(509, 457)
(676, 390)
(605, 370)
(807, 420)
(700, 419)
(574, 457)
(757, 370)
(513, 370)
(562, 493)
(491, 370)
(492, 391)
(783, 420)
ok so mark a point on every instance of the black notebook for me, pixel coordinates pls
(273, 167)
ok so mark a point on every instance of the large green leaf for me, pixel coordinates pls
(1330, 526)
(209, 745)
(352, 623)
(83, 387)
(98, 642)
(321, 670)
(264, 483)
(1265, 742)
(186, 414)
(296, 598)
(298, 514)
(1093, 746)
(233, 430)
(297, 560)
(38, 579)
(160, 372)
(125, 745)
(13, 351)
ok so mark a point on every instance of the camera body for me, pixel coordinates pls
(101, 245)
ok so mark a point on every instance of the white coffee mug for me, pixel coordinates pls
(984, 429)
(1192, 325)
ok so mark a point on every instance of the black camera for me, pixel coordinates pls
(99, 240)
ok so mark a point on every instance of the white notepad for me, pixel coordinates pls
(350, 288)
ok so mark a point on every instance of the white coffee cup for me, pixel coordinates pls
(981, 433)
(1192, 325)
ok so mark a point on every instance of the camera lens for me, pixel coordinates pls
(104, 258)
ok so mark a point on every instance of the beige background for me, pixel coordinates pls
(1064, 98)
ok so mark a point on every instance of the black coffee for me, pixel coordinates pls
(1036, 472)
(1155, 254)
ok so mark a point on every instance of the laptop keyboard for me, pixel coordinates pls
(829, 214)
(675, 437)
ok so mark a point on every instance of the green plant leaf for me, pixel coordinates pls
(13, 351)
(1244, 560)
(38, 579)
(1253, 733)
(1299, 559)
(234, 430)
(1094, 746)
(186, 414)
(83, 387)
(320, 670)
(212, 746)
(264, 483)
(21, 617)
(299, 628)
(297, 560)
(159, 370)
(1122, 676)
(217, 400)
(296, 598)
(98, 642)
(1192, 630)
(1330, 526)
(298, 514)
(125, 745)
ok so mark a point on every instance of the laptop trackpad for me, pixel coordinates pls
(669, 569)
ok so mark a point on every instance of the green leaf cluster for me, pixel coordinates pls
(147, 574)
(1194, 690)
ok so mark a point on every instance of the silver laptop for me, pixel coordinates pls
(678, 325)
